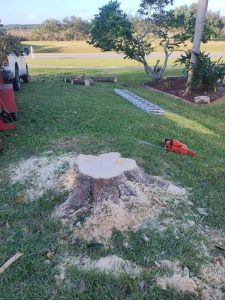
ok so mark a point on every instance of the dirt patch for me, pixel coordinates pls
(40, 174)
(177, 86)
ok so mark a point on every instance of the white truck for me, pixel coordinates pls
(15, 68)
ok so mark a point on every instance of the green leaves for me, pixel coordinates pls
(111, 30)
(206, 73)
(8, 43)
(137, 37)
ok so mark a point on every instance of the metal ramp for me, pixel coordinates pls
(139, 102)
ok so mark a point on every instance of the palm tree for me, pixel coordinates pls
(199, 25)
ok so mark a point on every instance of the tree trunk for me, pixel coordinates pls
(154, 73)
(150, 71)
(167, 54)
(199, 26)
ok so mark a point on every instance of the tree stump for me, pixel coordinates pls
(101, 178)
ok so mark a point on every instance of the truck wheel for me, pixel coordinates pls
(16, 81)
(26, 76)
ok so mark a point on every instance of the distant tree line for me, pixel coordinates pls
(75, 28)
(215, 23)
(69, 29)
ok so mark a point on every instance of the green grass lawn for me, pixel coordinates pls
(99, 121)
(96, 60)
(84, 47)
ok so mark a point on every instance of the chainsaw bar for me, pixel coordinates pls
(149, 144)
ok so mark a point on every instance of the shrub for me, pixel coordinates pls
(207, 73)
(8, 43)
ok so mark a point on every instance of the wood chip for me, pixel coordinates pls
(217, 260)
(202, 211)
(158, 201)
(19, 199)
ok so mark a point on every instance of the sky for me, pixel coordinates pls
(37, 11)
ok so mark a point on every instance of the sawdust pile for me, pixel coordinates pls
(180, 279)
(128, 213)
(209, 282)
(110, 264)
(40, 174)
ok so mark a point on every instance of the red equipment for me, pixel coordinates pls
(178, 147)
(7, 107)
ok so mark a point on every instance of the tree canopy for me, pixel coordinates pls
(8, 43)
(112, 30)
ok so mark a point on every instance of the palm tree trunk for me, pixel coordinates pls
(199, 26)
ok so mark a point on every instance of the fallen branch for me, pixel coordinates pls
(10, 262)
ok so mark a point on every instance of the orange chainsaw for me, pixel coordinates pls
(178, 147)
(171, 145)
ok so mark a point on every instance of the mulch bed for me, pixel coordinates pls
(177, 86)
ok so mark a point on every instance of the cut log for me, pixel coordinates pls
(77, 81)
(102, 178)
(89, 81)
(105, 78)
